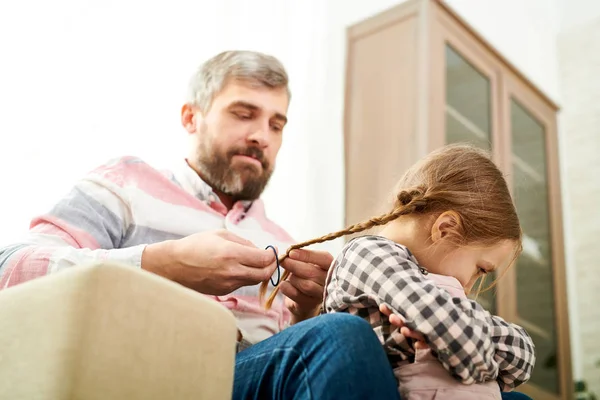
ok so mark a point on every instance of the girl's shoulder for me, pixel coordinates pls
(374, 246)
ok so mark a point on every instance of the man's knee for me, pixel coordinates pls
(342, 327)
(345, 323)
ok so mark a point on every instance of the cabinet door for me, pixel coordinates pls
(468, 114)
(468, 106)
(538, 277)
(379, 127)
(477, 97)
(466, 102)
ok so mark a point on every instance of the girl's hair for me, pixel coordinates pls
(456, 177)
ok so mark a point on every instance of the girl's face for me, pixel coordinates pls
(467, 263)
(429, 239)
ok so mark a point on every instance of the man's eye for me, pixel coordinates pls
(276, 128)
(243, 116)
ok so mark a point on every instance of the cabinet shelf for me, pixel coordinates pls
(533, 328)
(531, 250)
(480, 134)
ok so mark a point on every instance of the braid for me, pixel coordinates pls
(408, 202)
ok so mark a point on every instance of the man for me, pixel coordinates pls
(204, 227)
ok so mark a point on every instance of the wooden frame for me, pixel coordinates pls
(369, 196)
(420, 124)
(546, 115)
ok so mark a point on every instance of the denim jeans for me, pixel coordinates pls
(333, 356)
(515, 396)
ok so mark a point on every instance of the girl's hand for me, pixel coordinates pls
(409, 333)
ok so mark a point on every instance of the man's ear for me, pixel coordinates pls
(446, 224)
(188, 117)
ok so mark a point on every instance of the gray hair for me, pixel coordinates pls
(251, 67)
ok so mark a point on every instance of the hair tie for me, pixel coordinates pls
(277, 259)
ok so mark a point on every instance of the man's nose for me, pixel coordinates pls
(259, 135)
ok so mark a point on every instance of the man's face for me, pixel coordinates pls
(237, 140)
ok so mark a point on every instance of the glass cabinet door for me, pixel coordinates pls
(467, 103)
(468, 120)
(534, 272)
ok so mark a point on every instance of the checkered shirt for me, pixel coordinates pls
(473, 345)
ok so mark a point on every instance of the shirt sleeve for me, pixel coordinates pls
(376, 271)
(86, 226)
(515, 353)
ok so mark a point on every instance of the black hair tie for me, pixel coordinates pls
(278, 272)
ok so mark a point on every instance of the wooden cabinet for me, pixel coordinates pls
(418, 77)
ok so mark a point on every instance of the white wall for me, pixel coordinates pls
(578, 46)
(576, 13)
(108, 78)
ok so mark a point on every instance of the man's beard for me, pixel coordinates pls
(242, 182)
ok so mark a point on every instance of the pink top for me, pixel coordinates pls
(449, 283)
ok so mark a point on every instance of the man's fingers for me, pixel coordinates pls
(321, 258)
(232, 237)
(304, 270)
(306, 287)
(289, 290)
(246, 253)
(251, 256)
(251, 275)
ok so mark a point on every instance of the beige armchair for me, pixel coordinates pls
(113, 332)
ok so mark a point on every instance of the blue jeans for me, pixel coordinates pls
(515, 396)
(333, 356)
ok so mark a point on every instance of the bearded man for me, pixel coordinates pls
(204, 226)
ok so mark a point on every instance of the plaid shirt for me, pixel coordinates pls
(473, 345)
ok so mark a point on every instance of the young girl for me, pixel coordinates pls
(452, 223)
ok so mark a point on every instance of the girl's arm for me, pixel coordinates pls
(515, 353)
(372, 271)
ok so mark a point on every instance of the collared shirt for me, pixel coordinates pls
(473, 345)
(122, 206)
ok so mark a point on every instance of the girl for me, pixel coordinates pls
(453, 222)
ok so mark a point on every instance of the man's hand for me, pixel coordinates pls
(213, 263)
(304, 288)
(406, 332)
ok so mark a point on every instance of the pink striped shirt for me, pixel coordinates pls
(119, 208)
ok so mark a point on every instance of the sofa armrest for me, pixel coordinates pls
(107, 331)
